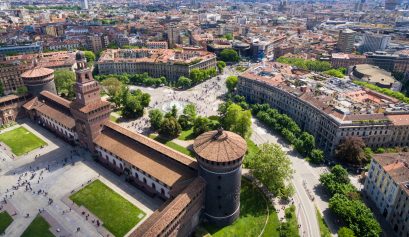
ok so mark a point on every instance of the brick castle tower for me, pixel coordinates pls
(88, 110)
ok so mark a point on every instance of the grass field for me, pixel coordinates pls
(252, 150)
(118, 215)
(253, 214)
(39, 227)
(21, 141)
(5, 221)
(172, 145)
(290, 226)
(113, 118)
(186, 135)
(324, 231)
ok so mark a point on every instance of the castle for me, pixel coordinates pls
(208, 187)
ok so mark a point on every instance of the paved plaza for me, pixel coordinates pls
(40, 181)
(206, 96)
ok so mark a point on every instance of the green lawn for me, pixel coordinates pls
(186, 135)
(118, 214)
(21, 141)
(5, 221)
(113, 118)
(172, 145)
(290, 226)
(252, 150)
(253, 214)
(324, 231)
(39, 227)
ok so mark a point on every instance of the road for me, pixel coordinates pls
(303, 172)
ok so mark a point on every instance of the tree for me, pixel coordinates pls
(155, 118)
(220, 66)
(229, 55)
(22, 90)
(112, 86)
(184, 82)
(237, 120)
(228, 36)
(351, 150)
(90, 56)
(345, 232)
(305, 143)
(64, 82)
(201, 125)
(273, 168)
(134, 103)
(185, 122)
(173, 112)
(170, 127)
(356, 214)
(231, 83)
(317, 156)
(243, 124)
(190, 111)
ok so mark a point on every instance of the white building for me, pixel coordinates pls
(387, 185)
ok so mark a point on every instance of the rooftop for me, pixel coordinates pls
(340, 99)
(155, 56)
(168, 166)
(220, 146)
(397, 166)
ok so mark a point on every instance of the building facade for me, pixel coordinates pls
(346, 40)
(374, 42)
(156, 62)
(387, 185)
(332, 111)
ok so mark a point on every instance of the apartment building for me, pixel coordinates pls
(346, 41)
(156, 62)
(387, 185)
(330, 109)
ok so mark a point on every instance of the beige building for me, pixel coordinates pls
(387, 185)
(329, 109)
(156, 62)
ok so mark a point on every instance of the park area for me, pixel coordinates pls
(21, 141)
(5, 221)
(39, 227)
(256, 213)
(118, 215)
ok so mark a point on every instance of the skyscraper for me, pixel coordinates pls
(346, 41)
(84, 4)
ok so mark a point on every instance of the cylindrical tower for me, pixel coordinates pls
(220, 155)
(39, 79)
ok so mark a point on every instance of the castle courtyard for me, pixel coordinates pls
(40, 182)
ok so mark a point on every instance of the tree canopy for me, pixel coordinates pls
(231, 83)
(273, 168)
(229, 55)
(351, 150)
(312, 65)
(64, 83)
(236, 119)
(170, 127)
(155, 118)
(133, 104)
